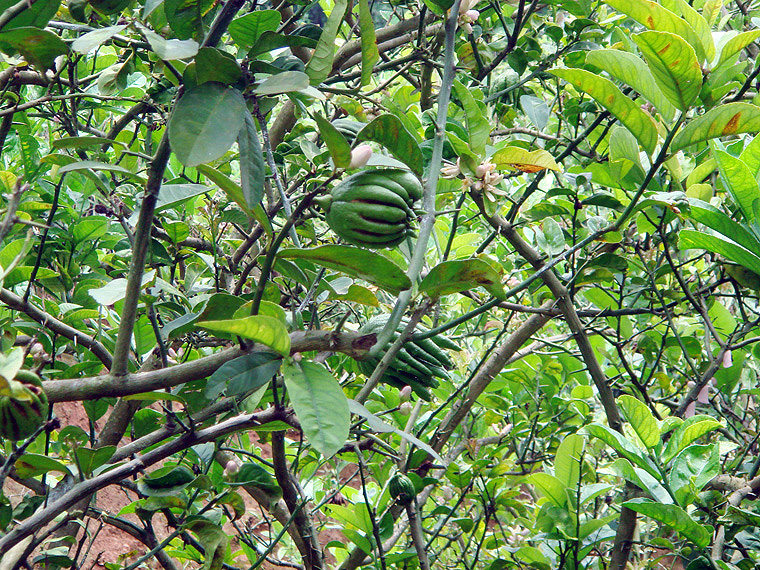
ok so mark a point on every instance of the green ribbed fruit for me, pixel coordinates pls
(373, 208)
(20, 417)
(401, 488)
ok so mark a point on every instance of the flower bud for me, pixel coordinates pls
(467, 28)
(405, 409)
(360, 155)
(406, 393)
(231, 469)
(704, 394)
(473, 15)
(465, 5)
(690, 409)
(480, 170)
(728, 360)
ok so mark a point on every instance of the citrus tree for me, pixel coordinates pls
(381, 284)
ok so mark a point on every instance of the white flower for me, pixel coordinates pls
(360, 155)
(451, 171)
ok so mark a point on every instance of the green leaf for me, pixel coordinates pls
(641, 419)
(83, 142)
(257, 476)
(607, 94)
(740, 183)
(567, 461)
(710, 216)
(370, 53)
(270, 40)
(550, 487)
(39, 47)
(632, 70)
(36, 14)
(691, 239)
(320, 405)
(674, 66)
(698, 23)
(185, 17)
(169, 49)
(246, 30)
(243, 374)
(90, 459)
(685, 434)
(641, 479)
(389, 131)
(214, 540)
(168, 480)
(212, 64)
(266, 330)
(624, 447)
(461, 275)
(252, 167)
(86, 43)
(285, 82)
(736, 44)
(205, 123)
(340, 151)
(33, 465)
(321, 61)
(655, 17)
(356, 262)
(673, 516)
(728, 119)
(478, 127)
(108, 7)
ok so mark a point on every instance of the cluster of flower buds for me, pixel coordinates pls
(486, 179)
(467, 16)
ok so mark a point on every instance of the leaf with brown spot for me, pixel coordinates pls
(462, 275)
(728, 119)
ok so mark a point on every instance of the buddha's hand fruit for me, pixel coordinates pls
(401, 488)
(373, 208)
(418, 364)
(27, 410)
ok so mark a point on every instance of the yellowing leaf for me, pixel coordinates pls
(521, 159)
(266, 330)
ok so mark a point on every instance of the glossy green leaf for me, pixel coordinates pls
(34, 465)
(550, 487)
(39, 47)
(319, 403)
(212, 64)
(355, 262)
(698, 23)
(641, 419)
(655, 17)
(83, 142)
(340, 151)
(389, 131)
(736, 44)
(246, 30)
(166, 480)
(265, 330)
(739, 181)
(271, 40)
(243, 374)
(257, 476)
(722, 245)
(750, 156)
(370, 53)
(567, 461)
(605, 92)
(724, 120)
(478, 127)
(321, 61)
(108, 7)
(89, 459)
(710, 216)
(185, 17)
(36, 14)
(461, 275)
(685, 434)
(642, 479)
(624, 447)
(252, 167)
(674, 66)
(205, 123)
(673, 516)
(285, 82)
(633, 71)
(84, 44)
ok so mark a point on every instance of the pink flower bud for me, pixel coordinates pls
(467, 28)
(231, 469)
(473, 15)
(690, 410)
(704, 394)
(465, 5)
(728, 360)
(406, 393)
(480, 170)
(360, 155)
(405, 409)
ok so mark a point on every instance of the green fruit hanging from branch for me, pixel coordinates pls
(27, 410)
(401, 488)
(418, 364)
(373, 208)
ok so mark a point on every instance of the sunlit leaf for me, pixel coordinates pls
(673, 516)
(321, 61)
(724, 120)
(525, 161)
(265, 330)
